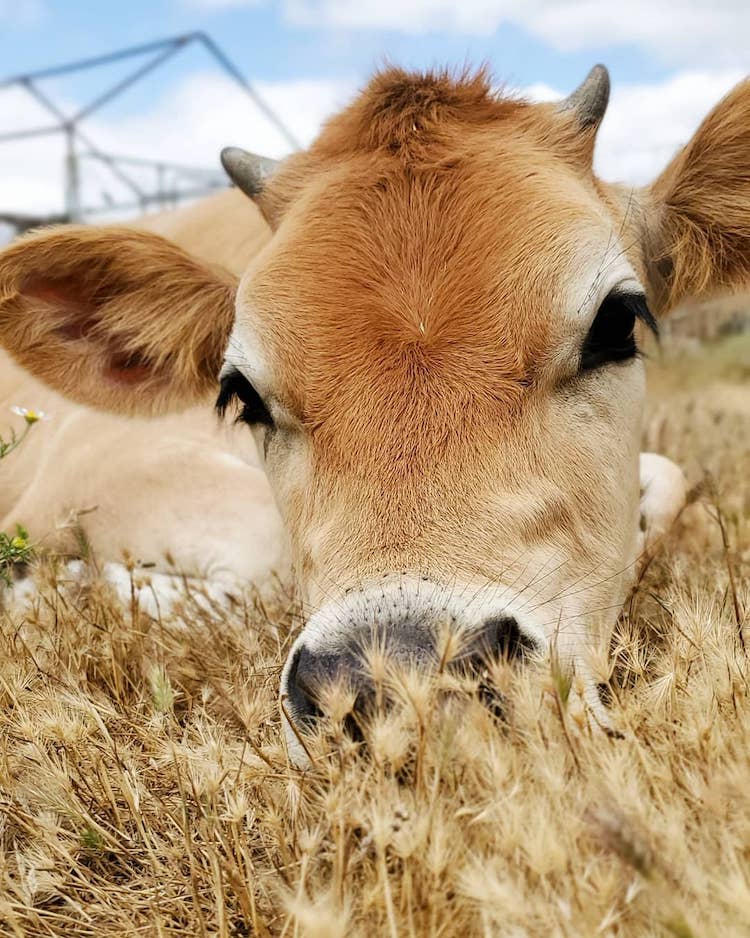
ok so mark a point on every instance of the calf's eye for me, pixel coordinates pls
(611, 337)
(236, 389)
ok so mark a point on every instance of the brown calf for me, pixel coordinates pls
(436, 352)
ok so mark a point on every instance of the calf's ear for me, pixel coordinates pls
(117, 319)
(698, 210)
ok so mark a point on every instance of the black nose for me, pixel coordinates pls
(312, 672)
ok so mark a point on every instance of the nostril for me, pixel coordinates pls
(504, 639)
(312, 678)
(300, 690)
(499, 639)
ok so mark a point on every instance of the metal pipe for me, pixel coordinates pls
(42, 98)
(72, 179)
(27, 134)
(93, 62)
(124, 84)
(69, 126)
(53, 109)
(265, 109)
(174, 195)
(143, 161)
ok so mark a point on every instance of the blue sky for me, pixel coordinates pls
(266, 42)
(669, 63)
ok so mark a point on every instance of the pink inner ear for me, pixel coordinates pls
(128, 369)
(130, 376)
(76, 319)
(74, 310)
(64, 293)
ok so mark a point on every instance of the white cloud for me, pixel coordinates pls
(679, 31)
(31, 171)
(188, 125)
(22, 12)
(414, 16)
(644, 126)
(208, 111)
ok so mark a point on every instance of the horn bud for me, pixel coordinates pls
(590, 99)
(248, 171)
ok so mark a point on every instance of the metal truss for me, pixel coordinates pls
(172, 182)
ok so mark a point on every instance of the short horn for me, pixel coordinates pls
(590, 98)
(247, 170)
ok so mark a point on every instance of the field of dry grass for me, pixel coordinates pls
(145, 790)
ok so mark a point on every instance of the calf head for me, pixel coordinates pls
(438, 354)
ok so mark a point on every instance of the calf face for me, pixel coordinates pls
(451, 403)
(437, 353)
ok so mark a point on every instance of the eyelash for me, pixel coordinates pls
(611, 337)
(235, 388)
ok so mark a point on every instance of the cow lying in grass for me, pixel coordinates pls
(436, 352)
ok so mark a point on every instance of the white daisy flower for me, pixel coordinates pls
(30, 416)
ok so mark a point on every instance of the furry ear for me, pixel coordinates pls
(698, 210)
(114, 318)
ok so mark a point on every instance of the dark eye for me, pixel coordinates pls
(611, 337)
(236, 389)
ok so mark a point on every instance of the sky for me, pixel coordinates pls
(670, 61)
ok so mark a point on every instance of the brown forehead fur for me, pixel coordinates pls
(406, 296)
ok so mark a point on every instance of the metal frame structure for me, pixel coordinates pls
(172, 181)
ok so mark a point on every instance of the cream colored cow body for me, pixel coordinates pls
(160, 491)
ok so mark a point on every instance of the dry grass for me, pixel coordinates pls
(145, 788)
